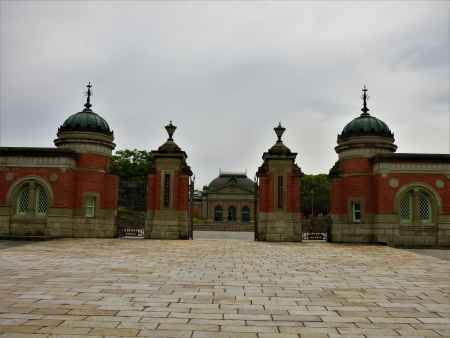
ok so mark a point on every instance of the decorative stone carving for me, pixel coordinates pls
(393, 183)
(53, 177)
(9, 176)
(440, 184)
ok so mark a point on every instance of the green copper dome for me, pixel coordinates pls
(239, 179)
(365, 125)
(86, 120)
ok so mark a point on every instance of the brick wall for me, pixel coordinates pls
(153, 191)
(181, 192)
(265, 194)
(293, 194)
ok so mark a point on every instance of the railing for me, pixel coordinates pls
(224, 226)
(315, 236)
(316, 228)
(130, 231)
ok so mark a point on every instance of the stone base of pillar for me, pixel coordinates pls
(279, 227)
(166, 225)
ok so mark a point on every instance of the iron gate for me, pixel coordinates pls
(316, 228)
(130, 224)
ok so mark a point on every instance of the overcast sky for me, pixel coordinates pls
(226, 73)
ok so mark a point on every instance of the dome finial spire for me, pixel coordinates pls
(364, 109)
(88, 104)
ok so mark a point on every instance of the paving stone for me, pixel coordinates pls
(277, 335)
(217, 288)
(198, 334)
(230, 328)
(23, 335)
(43, 322)
(116, 332)
(166, 334)
(19, 329)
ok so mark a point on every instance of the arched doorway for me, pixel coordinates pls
(231, 214)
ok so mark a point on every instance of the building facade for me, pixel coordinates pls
(377, 195)
(227, 203)
(380, 196)
(64, 191)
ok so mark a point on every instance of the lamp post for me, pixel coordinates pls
(255, 208)
(191, 206)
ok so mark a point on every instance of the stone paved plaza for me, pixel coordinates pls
(219, 288)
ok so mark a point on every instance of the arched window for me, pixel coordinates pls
(416, 207)
(32, 198)
(405, 208)
(41, 200)
(232, 214)
(245, 214)
(218, 214)
(23, 200)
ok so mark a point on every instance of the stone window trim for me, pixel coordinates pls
(87, 197)
(17, 188)
(350, 210)
(414, 190)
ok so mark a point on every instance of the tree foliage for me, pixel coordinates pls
(131, 163)
(315, 194)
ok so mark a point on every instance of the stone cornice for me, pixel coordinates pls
(37, 151)
(214, 197)
(412, 167)
(37, 161)
(356, 174)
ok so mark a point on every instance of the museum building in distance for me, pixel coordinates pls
(380, 196)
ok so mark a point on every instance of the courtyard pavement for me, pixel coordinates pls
(76, 288)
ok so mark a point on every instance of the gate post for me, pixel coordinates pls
(279, 216)
(167, 215)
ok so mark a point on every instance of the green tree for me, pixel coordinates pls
(315, 194)
(131, 163)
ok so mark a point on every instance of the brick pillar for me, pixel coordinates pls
(167, 214)
(279, 216)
